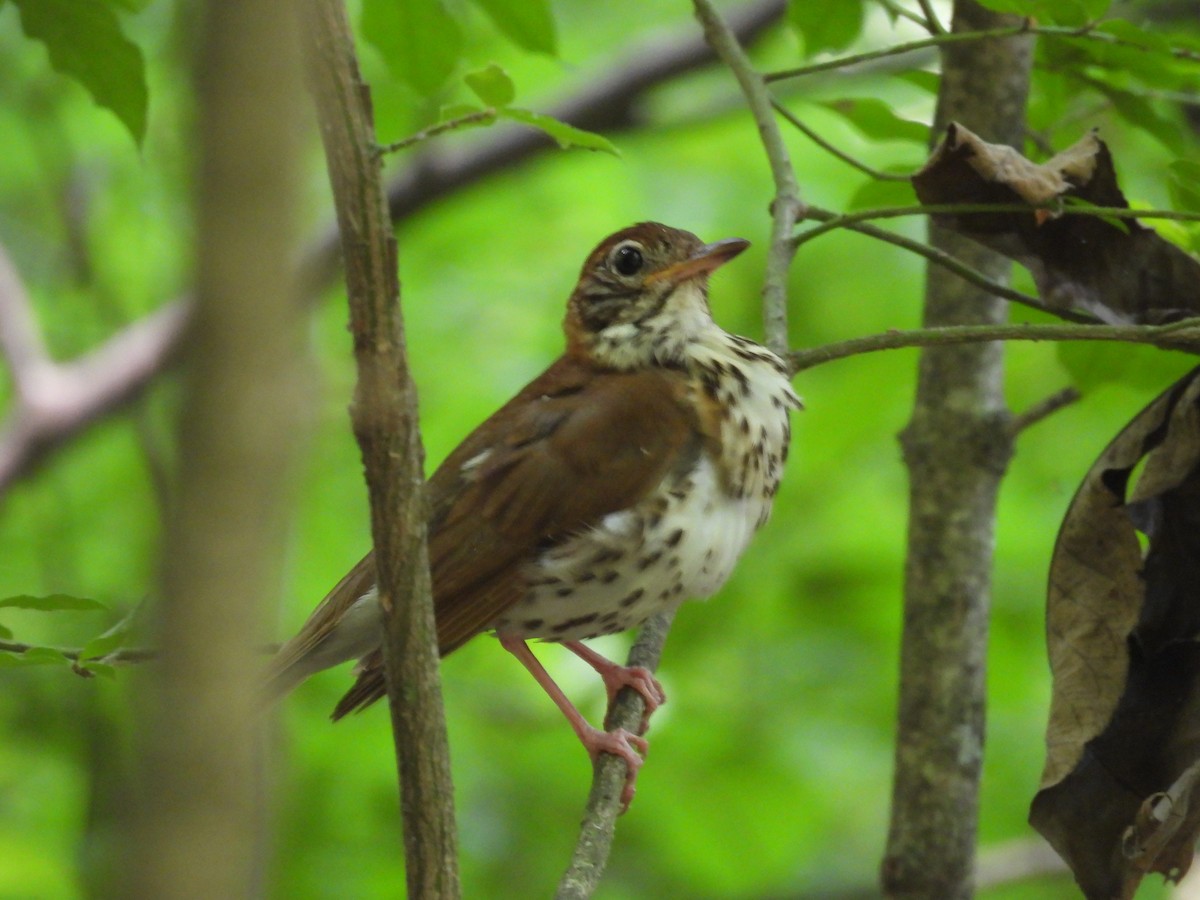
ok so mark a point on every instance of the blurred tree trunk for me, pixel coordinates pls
(197, 823)
(956, 446)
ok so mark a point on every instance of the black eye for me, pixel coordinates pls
(627, 260)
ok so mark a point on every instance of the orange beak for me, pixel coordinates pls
(707, 259)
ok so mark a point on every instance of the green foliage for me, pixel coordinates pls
(826, 26)
(527, 23)
(1052, 12)
(491, 85)
(51, 603)
(85, 42)
(419, 39)
(878, 121)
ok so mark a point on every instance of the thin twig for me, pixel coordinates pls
(901, 11)
(787, 206)
(1043, 409)
(829, 148)
(931, 19)
(1183, 336)
(955, 37)
(845, 220)
(592, 848)
(945, 260)
(117, 657)
(480, 117)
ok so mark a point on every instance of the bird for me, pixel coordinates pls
(626, 478)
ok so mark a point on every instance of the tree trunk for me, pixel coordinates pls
(199, 810)
(956, 446)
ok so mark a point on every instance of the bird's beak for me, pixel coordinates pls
(705, 260)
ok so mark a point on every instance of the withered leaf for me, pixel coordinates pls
(1115, 271)
(1123, 742)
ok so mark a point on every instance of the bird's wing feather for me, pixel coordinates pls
(568, 450)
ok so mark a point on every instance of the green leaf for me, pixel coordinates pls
(527, 23)
(110, 640)
(50, 602)
(1144, 114)
(85, 42)
(1183, 181)
(1052, 12)
(5, 633)
(826, 26)
(566, 135)
(930, 82)
(420, 41)
(876, 194)
(34, 656)
(876, 119)
(491, 85)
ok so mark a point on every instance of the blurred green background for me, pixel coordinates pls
(769, 772)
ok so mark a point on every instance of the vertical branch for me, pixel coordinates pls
(786, 207)
(198, 825)
(384, 414)
(957, 446)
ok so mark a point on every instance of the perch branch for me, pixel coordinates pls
(592, 848)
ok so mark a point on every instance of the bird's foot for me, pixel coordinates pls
(616, 677)
(623, 744)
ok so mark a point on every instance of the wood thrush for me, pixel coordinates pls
(626, 478)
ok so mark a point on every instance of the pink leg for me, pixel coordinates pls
(619, 742)
(616, 677)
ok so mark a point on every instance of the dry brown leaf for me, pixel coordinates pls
(1123, 742)
(1111, 270)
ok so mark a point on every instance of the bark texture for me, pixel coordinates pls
(384, 414)
(956, 446)
(196, 828)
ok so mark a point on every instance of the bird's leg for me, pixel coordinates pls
(617, 676)
(620, 742)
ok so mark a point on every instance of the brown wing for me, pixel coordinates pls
(570, 448)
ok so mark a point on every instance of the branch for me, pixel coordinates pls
(1183, 336)
(604, 802)
(384, 414)
(787, 206)
(1043, 410)
(55, 401)
(947, 38)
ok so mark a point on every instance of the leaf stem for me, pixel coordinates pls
(479, 117)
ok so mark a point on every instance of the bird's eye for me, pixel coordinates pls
(627, 259)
